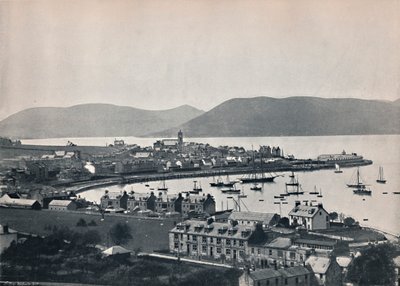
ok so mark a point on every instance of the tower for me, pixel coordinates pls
(180, 140)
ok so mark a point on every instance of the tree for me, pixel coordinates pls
(349, 221)
(284, 222)
(81, 222)
(333, 216)
(374, 267)
(258, 236)
(120, 233)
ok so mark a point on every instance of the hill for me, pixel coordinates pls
(293, 116)
(92, 120)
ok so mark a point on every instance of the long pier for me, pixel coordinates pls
(148, 177)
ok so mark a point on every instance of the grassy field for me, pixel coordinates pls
(148, 234)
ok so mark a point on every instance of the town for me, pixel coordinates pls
(309, 245)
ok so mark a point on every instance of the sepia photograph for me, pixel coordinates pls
(200, 142)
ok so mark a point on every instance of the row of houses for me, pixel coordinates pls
(237, 241)
(184, 204)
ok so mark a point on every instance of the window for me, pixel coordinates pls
(234, 242)
(194, 247)
(204, 239)
(252, 250)
(218, 241)
(292, 255)
(176, 245)
(267, 282)
(228, 252)
(286, 281)
(270, 252)
(176, 236)
(218, 250)
(204, 248)
(297, 280)
(280, 253)
(194, 238)
(211, 240)
(258, 251)
(241, 243)
(276, 281)
(228, 242)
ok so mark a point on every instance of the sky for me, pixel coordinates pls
(159, 54)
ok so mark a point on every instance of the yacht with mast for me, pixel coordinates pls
(337, 169)
(358, 181)
(293, 187)
(381, 179)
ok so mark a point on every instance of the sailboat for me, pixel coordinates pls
(196, 188)
(228, 183)
(231, 190)
(293, 187)
(358, 183)
(218, 183)
(320, 194)
(163, 186)
(258, 177)
(315, 192)
(337, 169)
(381, 179)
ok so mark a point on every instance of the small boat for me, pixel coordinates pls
(385, 193)
(218, 183)
(320, 194)
(278, 197)
(147, 185)
(163, 186)
(256, 187)
(365, 219)
(381, 178)
(315, 192)
(197, 187)
(337, 169)
(362, 191)
(228, 183)
(358, 183)
(232, 190)
(293, 187)
(396, 193)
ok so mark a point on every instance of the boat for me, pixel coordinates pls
(197, 187)
(396, 193)
(381, 178)
(258, 177)
(293, 187)
(358, 183)
(256, 187)
(278, 197)
(218, 183)
(228, 183)
(320, 194)
(147, 185)
(337, 169)
(231, 190)
(362, 190)
(315, 192)
(163, 186)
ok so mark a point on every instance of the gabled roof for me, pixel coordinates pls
(264, 274)
(319, 265)
(116, 250)
(305, 211)
(253, 216)
(280, 242)
(344, 261)
(60, 203)
(294, 271)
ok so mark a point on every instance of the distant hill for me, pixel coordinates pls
(302, 116)
(92, 120)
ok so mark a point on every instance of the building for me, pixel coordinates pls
(253, 218)
(114, 200)
(168, 203)
(280, 252)
(311, 217)
(11, 202)
(142, 202)
(7, 236)
(196, 204)
(326, 244)
(326, 270)
(195, 238)
(396, 262)
(293, 276)
(339, 158)
(62, 205)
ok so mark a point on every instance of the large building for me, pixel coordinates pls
(114, 200)
(194, 238)
(311, 217)
(62, 205)
(326, 270)
(196, 204)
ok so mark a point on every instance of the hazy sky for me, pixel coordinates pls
(161, 54)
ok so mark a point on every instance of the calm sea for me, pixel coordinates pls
(379, 210)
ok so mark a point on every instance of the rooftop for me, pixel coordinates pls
(60, 203)
(264, 274)
(252, 216)
(280, 242)
(319, 265)
(305, 211)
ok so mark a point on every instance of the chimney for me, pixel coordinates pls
(296, 203)
(320, 205)
(5, 229)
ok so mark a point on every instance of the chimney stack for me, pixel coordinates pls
(296, 203)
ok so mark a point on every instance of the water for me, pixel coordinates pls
(382, 211)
